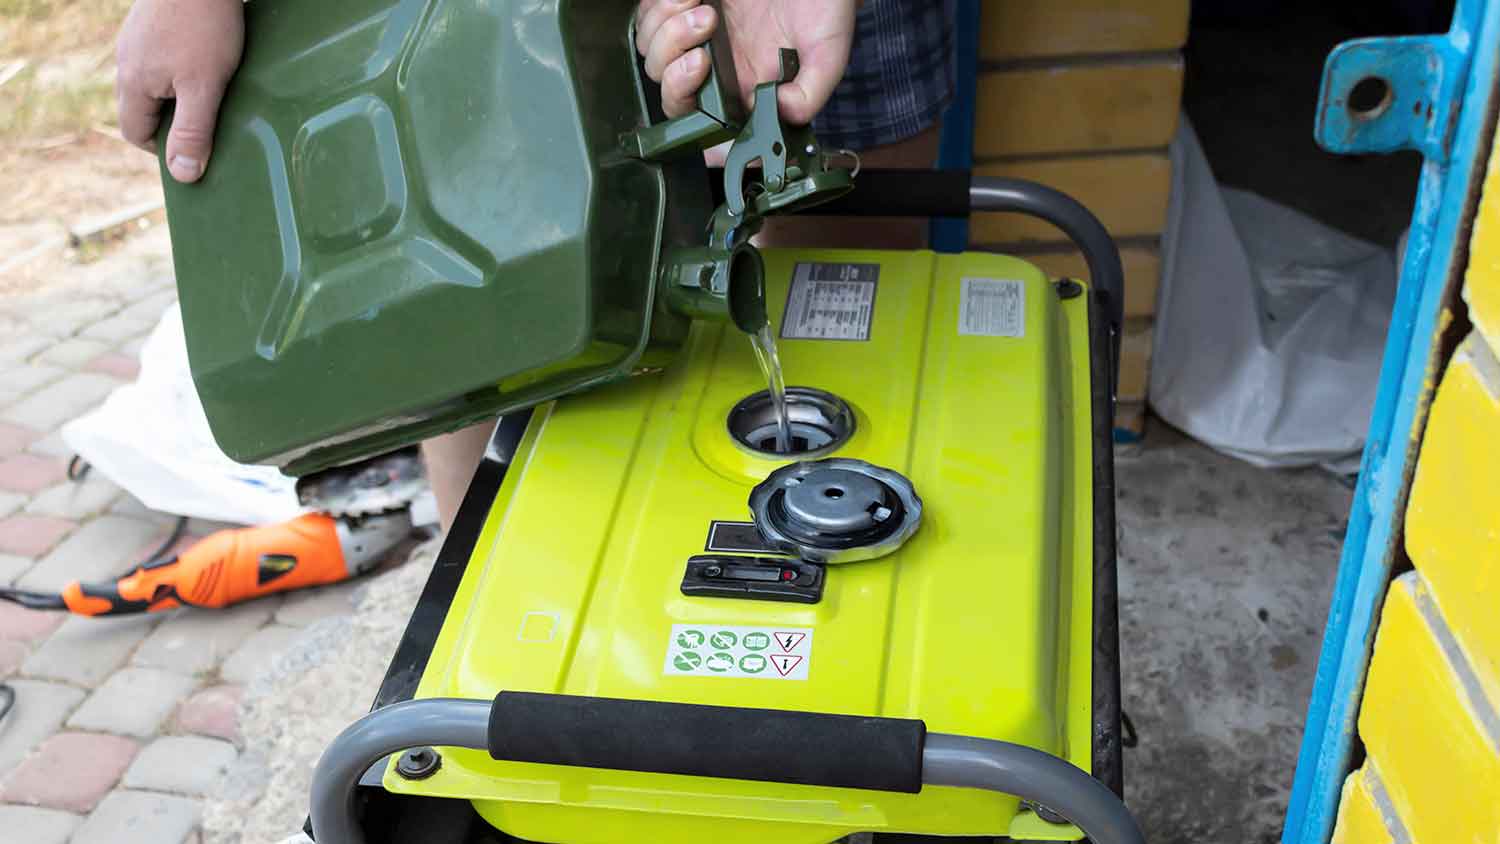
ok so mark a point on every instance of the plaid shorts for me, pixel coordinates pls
(900, 75)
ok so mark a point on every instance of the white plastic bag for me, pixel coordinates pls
(152, 438)
(1270, 326)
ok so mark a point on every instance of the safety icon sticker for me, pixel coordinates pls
(711, 650)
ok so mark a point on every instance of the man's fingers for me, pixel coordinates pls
(652, 14)
(681, 81)
(677, 36)
(190, 140)
(139, 116)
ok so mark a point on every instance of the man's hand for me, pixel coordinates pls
(177, 49)
(669, 34)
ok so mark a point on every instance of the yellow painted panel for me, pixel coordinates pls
(1359, 820)
(1130, 416)
(1135, 359)
(1482, 284)
(1142, 266)
(1127, 192)
(1014, 29)
(1438, 764)
(1453, 520)
(1078, 107)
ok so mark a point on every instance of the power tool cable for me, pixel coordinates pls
(34, 600)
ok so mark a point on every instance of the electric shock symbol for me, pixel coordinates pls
(788, 642)
(786, 663)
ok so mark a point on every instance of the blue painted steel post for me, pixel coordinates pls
(957, 144)
(1432, 78)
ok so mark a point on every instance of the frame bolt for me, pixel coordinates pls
(419, 763)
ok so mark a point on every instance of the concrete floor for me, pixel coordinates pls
(1225, 576)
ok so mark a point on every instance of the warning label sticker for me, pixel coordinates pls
(830, 302)
(992, 307)
(767, 653)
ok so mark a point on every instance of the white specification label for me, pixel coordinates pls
(767, 653)
(830, 302)
(992, 307)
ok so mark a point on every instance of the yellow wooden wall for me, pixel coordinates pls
(1430, 717)
(1083, 96)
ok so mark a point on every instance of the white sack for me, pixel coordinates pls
(1270, 326)
(152, 438)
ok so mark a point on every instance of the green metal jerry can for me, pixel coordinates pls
(422, 214)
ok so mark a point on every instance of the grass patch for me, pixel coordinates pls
(30, 9)
(68, 81)
(29, 110)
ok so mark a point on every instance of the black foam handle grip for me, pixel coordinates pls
(892, 193)
(769, 745)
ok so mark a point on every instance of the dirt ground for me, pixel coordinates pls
(63, 165)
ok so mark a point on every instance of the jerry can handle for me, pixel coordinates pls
(720, 95)
(720, 113)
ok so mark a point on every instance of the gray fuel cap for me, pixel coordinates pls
(836, 511)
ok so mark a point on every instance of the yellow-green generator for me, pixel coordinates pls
(628, 637)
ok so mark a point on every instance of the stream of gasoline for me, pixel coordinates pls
(764, 344)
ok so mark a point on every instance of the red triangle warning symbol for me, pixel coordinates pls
(789, 641)
(785, 663)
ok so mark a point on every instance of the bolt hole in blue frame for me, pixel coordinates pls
(1439, 100)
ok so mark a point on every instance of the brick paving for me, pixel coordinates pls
(14, 438)
(32, 536)
(20, 624)
(181, 764)
(212, 712)
(30, 473)
(10, 502)
(38, 826)
(122, 726)
(70, 771)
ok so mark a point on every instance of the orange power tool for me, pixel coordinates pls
(367, 503)
(235, 565)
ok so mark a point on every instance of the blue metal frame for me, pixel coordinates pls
(956, 150)
(1431, 79)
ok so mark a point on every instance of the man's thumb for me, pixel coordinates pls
(190, 141)
(822, 67)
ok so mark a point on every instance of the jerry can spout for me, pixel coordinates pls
(710, 282)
